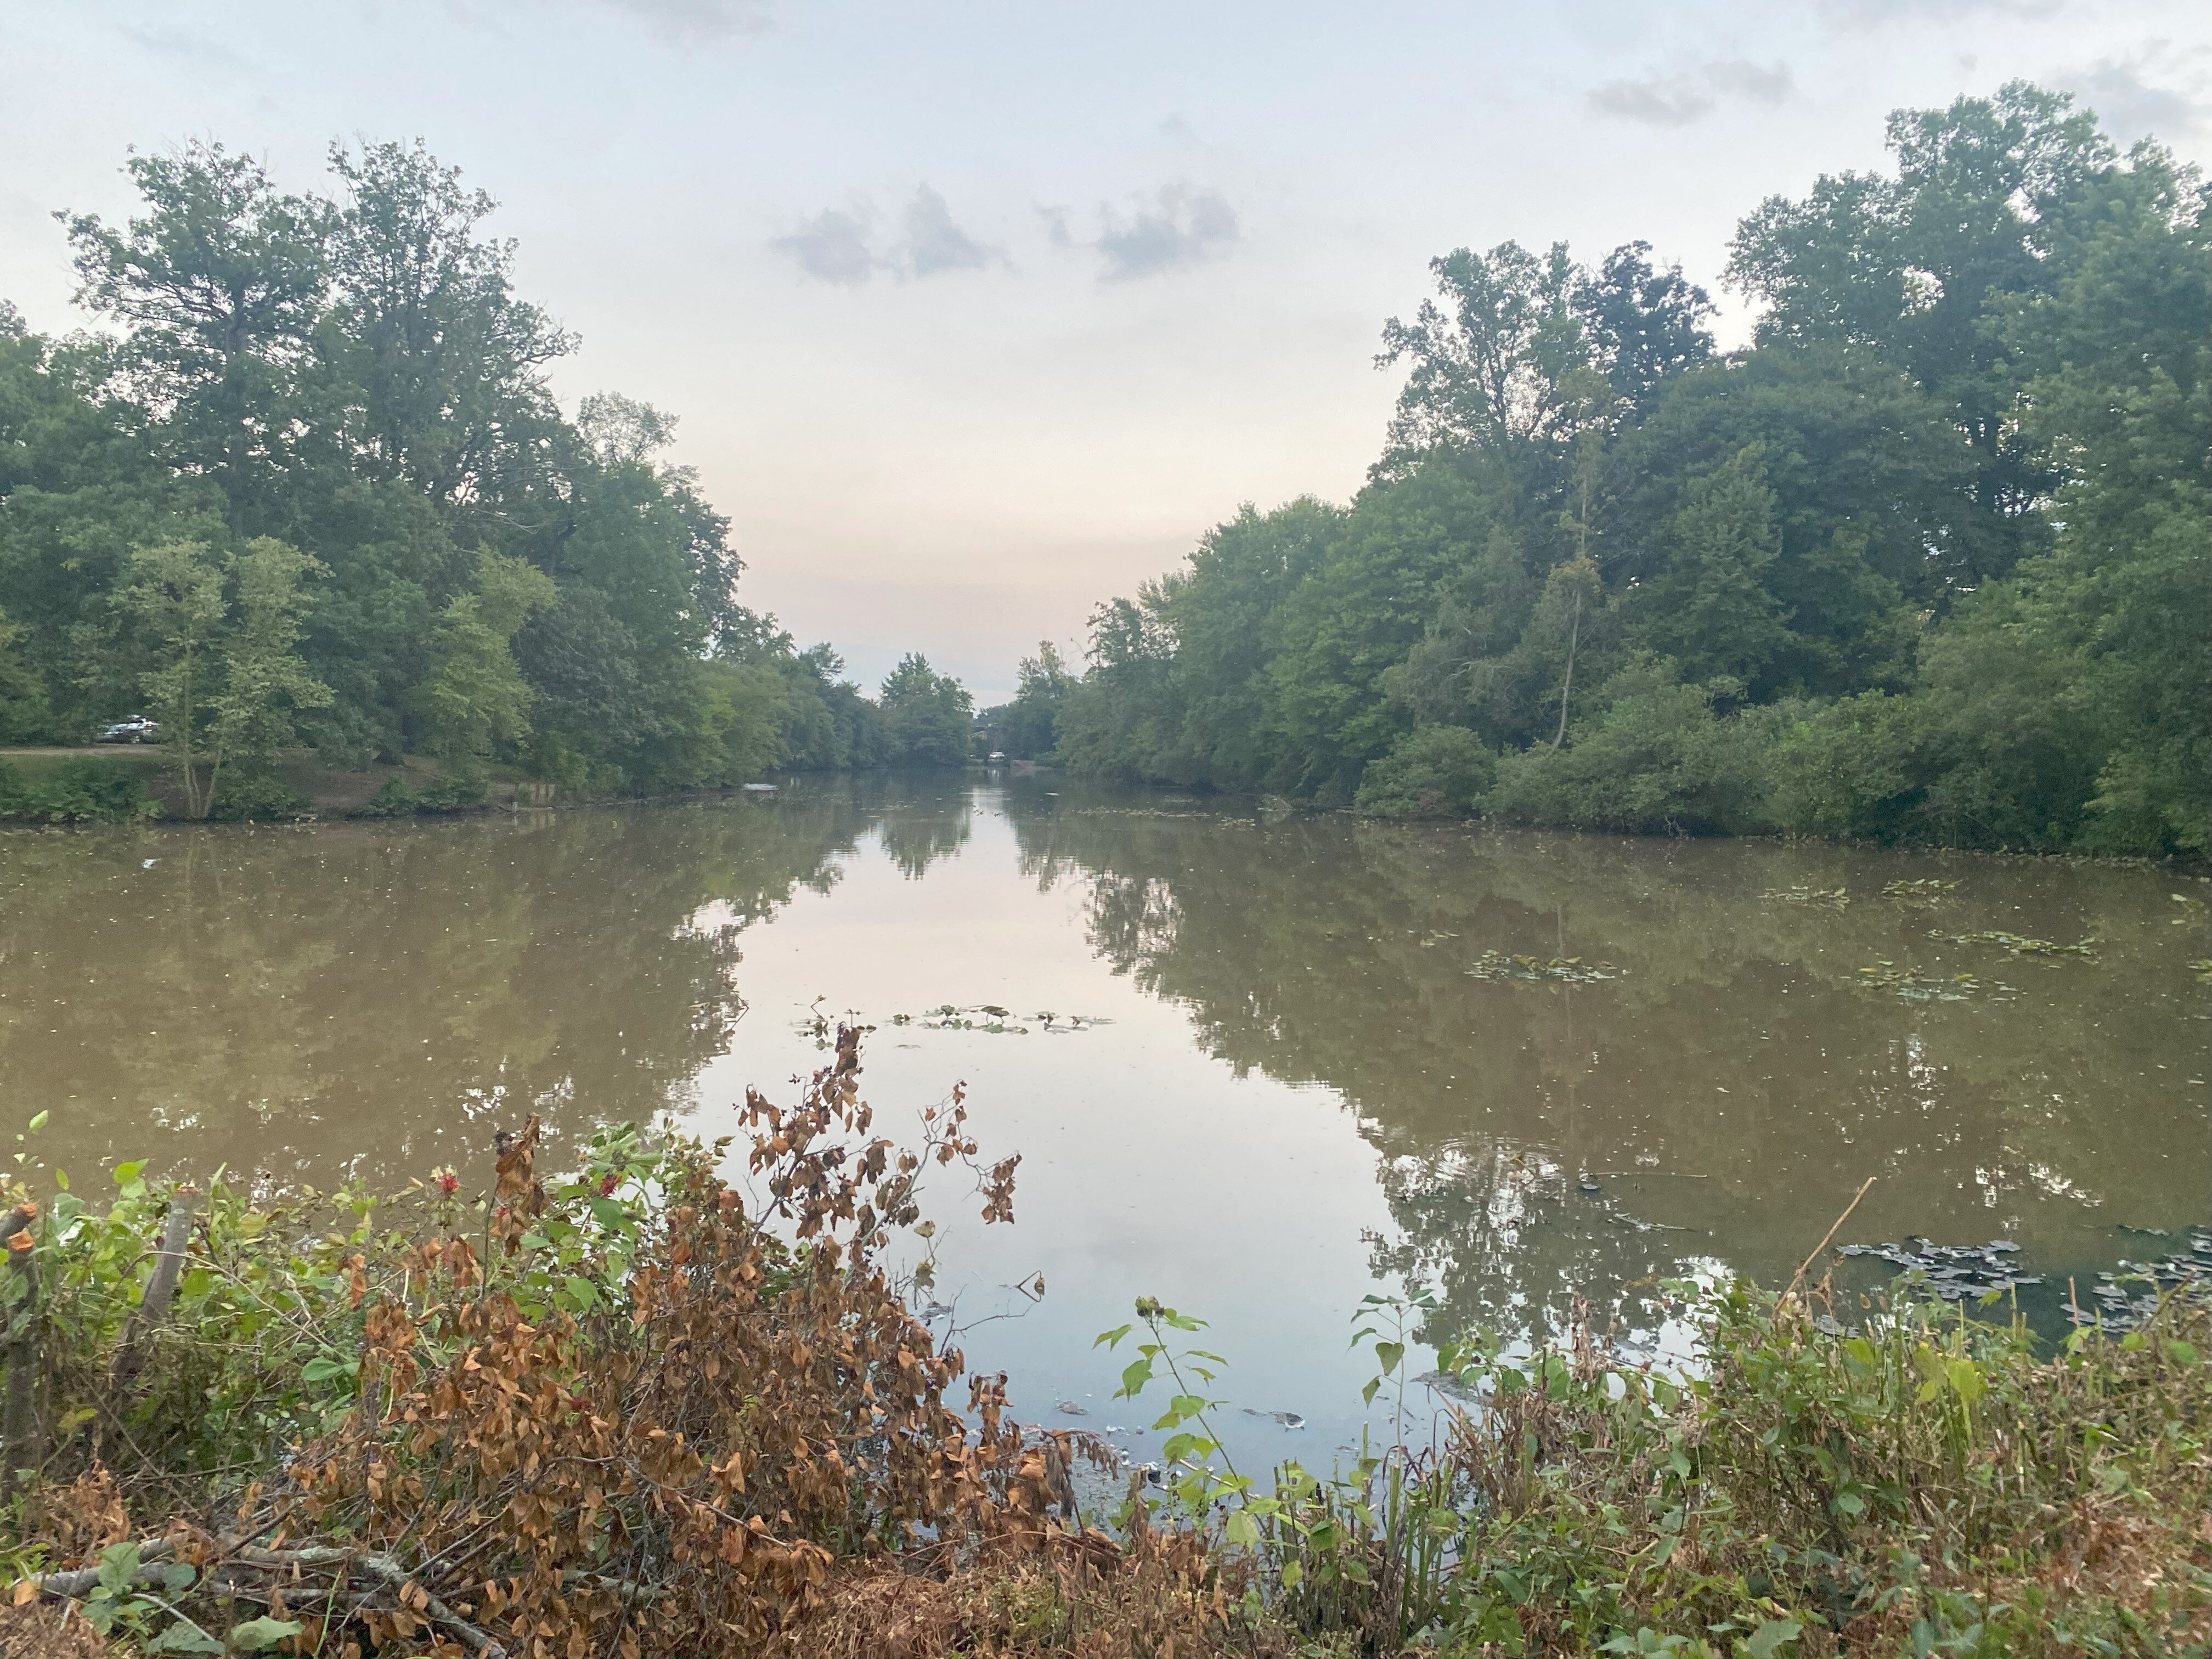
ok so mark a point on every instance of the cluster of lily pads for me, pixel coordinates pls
(2126, 1297)
(1916, 987)
(1954, 1272)
(1555, 970)
(988, 1016)
(1927, 889)
(2019, 945)
(1831, 898)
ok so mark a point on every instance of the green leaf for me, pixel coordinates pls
(1293, 1575)
(181, 1637)
(1111, 1338)
(118, 1564)
(1388, 1354)
(38, 1123)
(1133, 1378)
(255, 1634)
(582, 1291)
(1242, 1528)
(1367, 1394)
(322, 1368)
(1769, 1638)
(609, 1213)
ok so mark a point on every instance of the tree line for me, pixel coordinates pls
(1927, 562)
(310, 487)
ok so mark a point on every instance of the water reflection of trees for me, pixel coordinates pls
(271, 991)
(1734, 1079)
(923, 819)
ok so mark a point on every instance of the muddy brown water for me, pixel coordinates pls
(1271, 1084)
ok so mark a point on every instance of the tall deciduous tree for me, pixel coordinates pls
(220, 283)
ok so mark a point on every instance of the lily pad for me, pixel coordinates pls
(1828, 898)
(2019, 945)
(1914, 987)
(2126, 1298)
(1555, 970)
(1952, 1272)
(1927, 889)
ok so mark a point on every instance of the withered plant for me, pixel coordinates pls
(631, 1414)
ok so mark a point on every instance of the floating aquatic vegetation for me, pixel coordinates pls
(2126, 1298)
(1925, 889)
(1288, 1420)
(1556, 970)
(2021, 946)
(1954, 1272)
(1930, 988)
(1828, 898)
(2202, 968)
(991, 1018)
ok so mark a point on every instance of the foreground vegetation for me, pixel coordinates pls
(1927, 562)
(630, 1410)
(313, 491)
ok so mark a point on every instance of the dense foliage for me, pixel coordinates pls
(1927, 562)
(312, 489)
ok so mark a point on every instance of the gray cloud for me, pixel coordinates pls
(2129, 105)
(1676, 101)
(934, 243)
(832, 246)
(697, 20)
(836, 245)
(1178, 229)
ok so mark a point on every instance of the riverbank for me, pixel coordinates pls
(629, 1408)
(123, 783)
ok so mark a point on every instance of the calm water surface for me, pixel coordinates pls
(1299, 1094)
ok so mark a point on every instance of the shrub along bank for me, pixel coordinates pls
(630, 1411)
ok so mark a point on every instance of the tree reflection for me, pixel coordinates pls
(924, 819)
(273, 992)
(1739, 1078)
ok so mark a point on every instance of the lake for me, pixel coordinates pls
(1291, 1059)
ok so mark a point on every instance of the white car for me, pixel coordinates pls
(139, 728)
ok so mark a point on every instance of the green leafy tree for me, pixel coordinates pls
(173, 594)
(929, 717)
(266, 683)
(1710, 609)
(1027, 728)
(24, 714)
(221, 281)
(474, 694)
(218, 639)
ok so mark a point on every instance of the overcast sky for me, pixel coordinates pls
(974, 315)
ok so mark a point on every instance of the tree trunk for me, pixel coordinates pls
(1574, 638)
